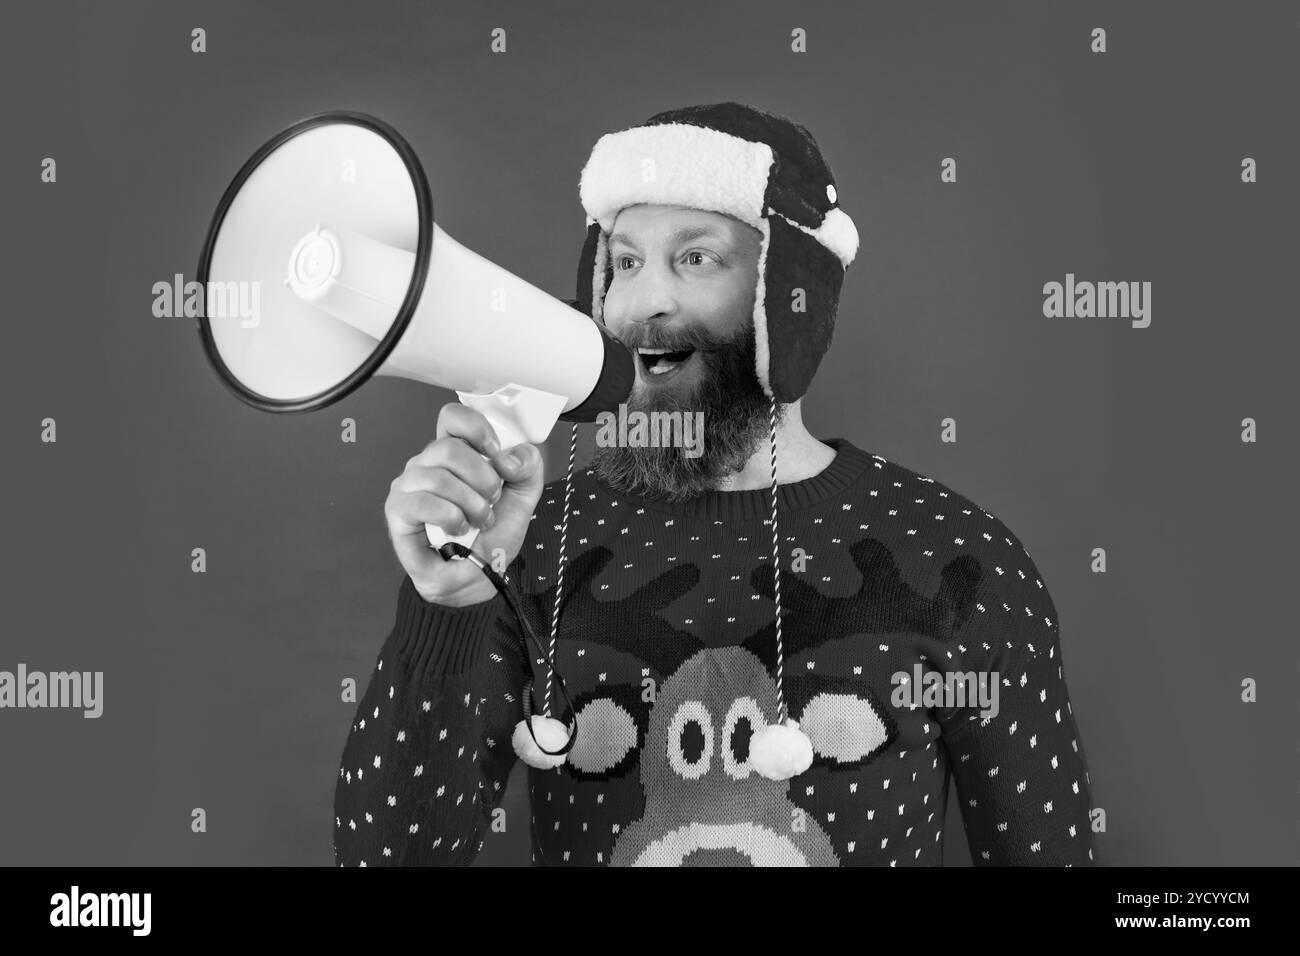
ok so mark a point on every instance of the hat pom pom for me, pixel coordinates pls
(780, 751)
(550, 733)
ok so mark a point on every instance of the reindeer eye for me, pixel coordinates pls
(843, 727)
(690, 740)
(744, 717)
(601, 749)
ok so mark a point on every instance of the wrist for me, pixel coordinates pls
(476, 593)
(435, 640)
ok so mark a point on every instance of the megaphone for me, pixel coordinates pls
(329, 230)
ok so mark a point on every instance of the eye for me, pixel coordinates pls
(617, 261)
(690, 740)
(744, 717)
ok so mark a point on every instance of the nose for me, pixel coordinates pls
(645, 296)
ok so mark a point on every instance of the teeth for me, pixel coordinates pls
(661, 365)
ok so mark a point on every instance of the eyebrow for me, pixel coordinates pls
(681, 235)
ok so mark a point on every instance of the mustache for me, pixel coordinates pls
(677, 340)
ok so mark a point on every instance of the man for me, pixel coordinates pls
(776, 651)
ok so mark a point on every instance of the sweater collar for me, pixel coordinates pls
(849, 463)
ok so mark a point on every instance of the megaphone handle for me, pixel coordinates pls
(517, 414)
(507, 437)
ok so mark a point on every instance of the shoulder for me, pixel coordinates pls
(967, 537)
(931, 506)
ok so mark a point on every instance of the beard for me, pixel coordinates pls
(736, 417)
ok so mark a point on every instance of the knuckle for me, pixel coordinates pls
(436, 481)
(486, 481)
(428, 455)
(464, 454)
(460, 419)
(453, 518)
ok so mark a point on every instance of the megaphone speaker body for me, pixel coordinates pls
(331, 223)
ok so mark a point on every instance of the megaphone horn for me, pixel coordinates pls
(331, 221)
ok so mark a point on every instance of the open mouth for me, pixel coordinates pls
(753, 842)
(657, 363)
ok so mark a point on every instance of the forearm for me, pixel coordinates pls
(428, 752)
(1022, 775)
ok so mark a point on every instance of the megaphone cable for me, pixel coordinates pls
(507, 590)
(503, 584)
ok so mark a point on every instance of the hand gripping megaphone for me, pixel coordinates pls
(330, 225)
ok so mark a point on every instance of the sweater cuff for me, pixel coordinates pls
(434, 640)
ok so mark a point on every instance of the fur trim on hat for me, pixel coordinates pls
(676, 164)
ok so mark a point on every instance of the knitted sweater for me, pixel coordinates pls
(667, 646)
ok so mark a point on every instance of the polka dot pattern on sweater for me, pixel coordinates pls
(894, 588)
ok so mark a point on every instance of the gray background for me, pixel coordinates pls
(222, 689)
